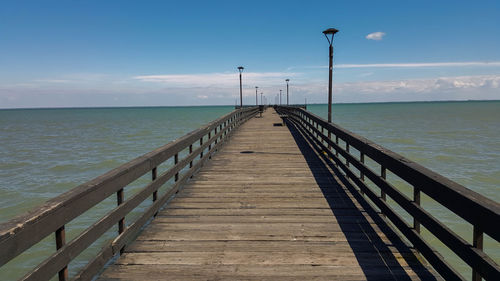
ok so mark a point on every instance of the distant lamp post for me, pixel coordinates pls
(256, 102)
(261, 98)
(330, 31)
(287, 80)
(240, 69)
(280, 96)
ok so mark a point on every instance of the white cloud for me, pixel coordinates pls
(375, 36)
(418, 65)
(406, 65)
(52, 80)
(221, 80)
(205, 89)
(423, 85)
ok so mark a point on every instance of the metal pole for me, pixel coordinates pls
(261, 99)
(287, 91)
(240, 69)
(241, 93)
(256, 102)
(280, 97)
(330, 75)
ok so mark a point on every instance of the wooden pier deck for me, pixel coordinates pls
(267, 207)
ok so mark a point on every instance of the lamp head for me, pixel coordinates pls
(240, 68)
(330, 31)
(287, 80)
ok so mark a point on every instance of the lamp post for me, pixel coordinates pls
(287, 80)
(240, 69)
(261, 99)
(256, 102)
(330, 31)
(280, 96)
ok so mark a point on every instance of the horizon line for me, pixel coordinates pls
(214, 105)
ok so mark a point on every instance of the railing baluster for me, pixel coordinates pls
(347, 149)
(201, 143)
(176, 160)
(60, 241)
(362, 159)
(477, 242)
(336, 141)
(121, 222)
(416, 199)
(190, 151)
(209, 145)
(154, 174)
(383, 174)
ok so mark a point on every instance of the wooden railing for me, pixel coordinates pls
(21, 233)
(482, 213)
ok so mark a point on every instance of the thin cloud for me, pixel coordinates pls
(216, 79)
(418, 65)
(405, 65)
(423, 85)
(375, 36)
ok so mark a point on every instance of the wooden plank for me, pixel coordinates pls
(337, 258)
(261, 246)
(263, 272)
(263, 219)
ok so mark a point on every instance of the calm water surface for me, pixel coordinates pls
(44, 152)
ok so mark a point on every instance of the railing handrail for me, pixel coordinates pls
(25, 230)
(476, 209)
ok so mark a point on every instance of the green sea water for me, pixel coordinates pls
(44, 152)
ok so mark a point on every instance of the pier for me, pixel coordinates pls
(282, 195)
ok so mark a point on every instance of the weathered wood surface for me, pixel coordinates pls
(274, 214)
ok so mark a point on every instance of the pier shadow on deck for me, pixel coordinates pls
(361, 236)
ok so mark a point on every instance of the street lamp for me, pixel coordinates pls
(280, 96)
(330, 31)
(240, 69)
(287, 80)
(261, 99)
(256, 102)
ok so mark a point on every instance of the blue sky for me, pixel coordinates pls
(135, 53)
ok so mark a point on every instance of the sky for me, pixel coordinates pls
(170, 53)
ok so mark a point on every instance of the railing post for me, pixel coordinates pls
(330, 138)
(416, 199)
(190, 151)
(121, 222)
(362, 159)
(477, 242)
(176, 160)
(336, 141)
(209, 145)
(201, 144)
(347, 149)
(60, 241)
(155, 193)
(383, 174)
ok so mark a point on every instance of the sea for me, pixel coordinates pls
(45, 152)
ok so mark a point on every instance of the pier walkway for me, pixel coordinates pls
(268, 207)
